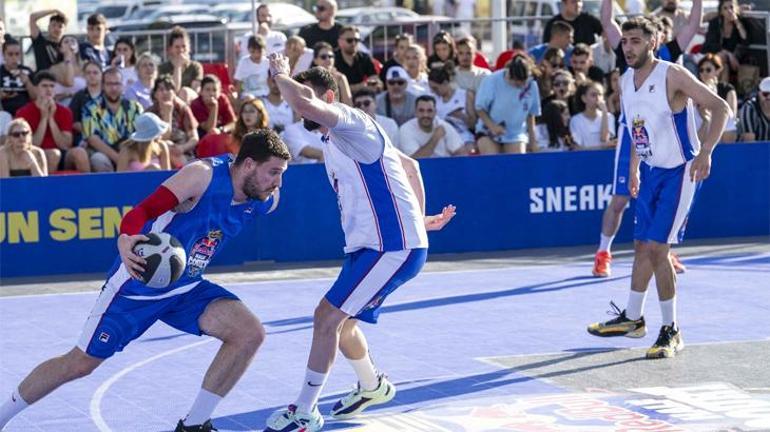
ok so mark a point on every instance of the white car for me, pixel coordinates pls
(285, 15)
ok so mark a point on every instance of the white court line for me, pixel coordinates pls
(96, 399)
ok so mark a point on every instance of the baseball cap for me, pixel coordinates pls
(396, 73)
(764, 85)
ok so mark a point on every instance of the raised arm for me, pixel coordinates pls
(34, 30)
(300, 97)
(610, 26)
(693, 25)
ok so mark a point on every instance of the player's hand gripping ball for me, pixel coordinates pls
(165, 258)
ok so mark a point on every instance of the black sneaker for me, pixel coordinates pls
(620, 326)
(205, 427)
(668, 344)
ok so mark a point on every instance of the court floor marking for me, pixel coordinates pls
(490, 359)
(96, 399)
(436, 271)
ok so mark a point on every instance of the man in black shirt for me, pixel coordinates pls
(46, 48)
(326, 29)
(586, 26)
(16, 85)
(354, 64)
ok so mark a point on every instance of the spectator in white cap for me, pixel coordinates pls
(396, 102)
(145, 150)
(755, 115)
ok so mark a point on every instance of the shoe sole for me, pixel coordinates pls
(666, 354)
(388, 397)
(634, 334)
(601, 275)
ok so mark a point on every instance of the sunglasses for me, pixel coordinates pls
(352, 40)
(363, 104)
(706, 70)
(560, 83)
(319, 8)
(326, 56)
(19, 134)
(557, 65)
(397, 82)
(765, 94)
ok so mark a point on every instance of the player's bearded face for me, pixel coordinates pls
(264, 179)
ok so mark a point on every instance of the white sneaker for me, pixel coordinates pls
(358, 400)
(289, 420)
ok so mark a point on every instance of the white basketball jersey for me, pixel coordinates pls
(659, 136)
(378, 207)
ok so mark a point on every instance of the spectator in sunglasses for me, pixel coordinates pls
(356, 65)
(326, 29)
(710, 68)
(396, 102)
(323, 56)
(19, 157)
(365, 100)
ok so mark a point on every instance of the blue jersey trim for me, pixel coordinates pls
(384, 204)
(681, 125)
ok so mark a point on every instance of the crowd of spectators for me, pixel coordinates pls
(87, 108)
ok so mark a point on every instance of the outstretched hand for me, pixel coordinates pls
(437, 222)
(279, 64)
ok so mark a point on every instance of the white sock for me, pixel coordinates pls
(605, 242)
(202, 408)
(635, 304)
(366, 372)
(668, 311)
(14, 405)
(311, 390)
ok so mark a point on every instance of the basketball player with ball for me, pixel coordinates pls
(203, 205)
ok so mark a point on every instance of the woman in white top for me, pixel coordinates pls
(125, 60)
(68, 72)
(592, 126)
(454, 105)
(416, 65)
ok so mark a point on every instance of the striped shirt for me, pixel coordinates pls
(753, 120)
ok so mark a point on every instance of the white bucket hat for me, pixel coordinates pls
(148, 127)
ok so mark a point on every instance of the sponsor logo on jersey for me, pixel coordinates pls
(202, 252)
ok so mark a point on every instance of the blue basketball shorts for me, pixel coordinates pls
(369, 276)
(663, 204)
(622, 163)
(119, 317)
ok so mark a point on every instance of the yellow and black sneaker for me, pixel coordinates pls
(620, 326)
(668, 344)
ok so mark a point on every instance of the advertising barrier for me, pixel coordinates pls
(69, 224)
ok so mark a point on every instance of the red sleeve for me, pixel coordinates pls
(63, 116)
(161, 201)
(226, 113)
(199, 110)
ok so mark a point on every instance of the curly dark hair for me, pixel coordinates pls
(318, 78)
(261, 145)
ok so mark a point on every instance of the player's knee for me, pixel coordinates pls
(253, 337)
(325, 320)
(80, 364)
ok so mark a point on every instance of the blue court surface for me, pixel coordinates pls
(501, 349)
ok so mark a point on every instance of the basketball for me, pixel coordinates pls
(165, 258)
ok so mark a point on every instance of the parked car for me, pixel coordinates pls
(154, 13)
(284, 14)
(380, 42)
(208, 46)
(363, 17)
